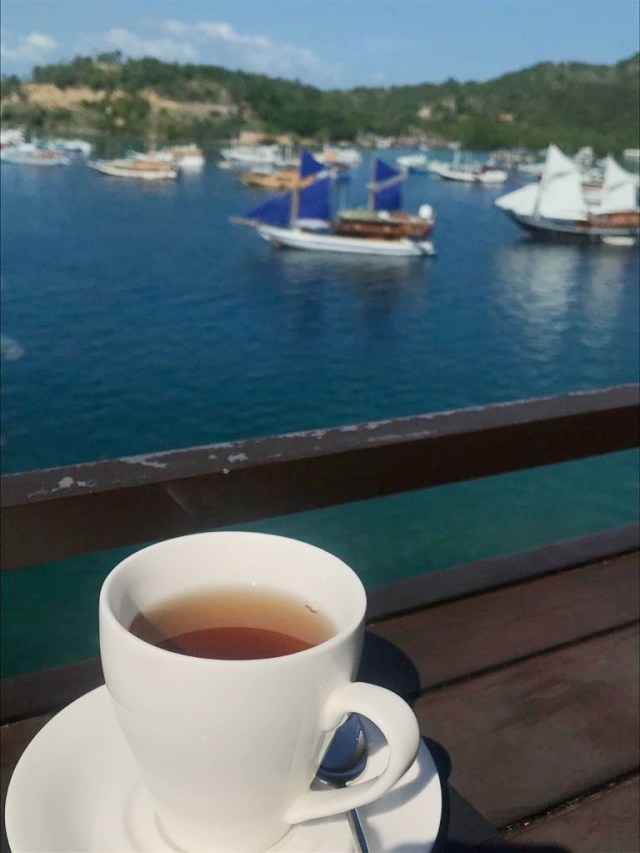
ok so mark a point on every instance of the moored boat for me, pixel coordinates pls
(301, 219)
(248, 156)
(188, 158)
(276, 179)
(470, 173)
(556, 206)
(413, 162)
(339, 156)
(30, 154)
(137, 167)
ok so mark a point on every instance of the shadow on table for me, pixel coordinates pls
(385, 664)
(462, 829)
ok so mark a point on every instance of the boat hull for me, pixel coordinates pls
(575, 231)
(138, 174)
(34, 160)
(471, 176)
(298, 239)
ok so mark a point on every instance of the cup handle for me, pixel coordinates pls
(398, 724)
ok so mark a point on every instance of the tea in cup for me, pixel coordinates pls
(229, 658)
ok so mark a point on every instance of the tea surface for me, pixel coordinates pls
(233, 624)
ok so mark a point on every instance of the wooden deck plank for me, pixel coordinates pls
(606, 822)
(541, 731)
(451, 640)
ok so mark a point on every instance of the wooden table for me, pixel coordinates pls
(527, 695)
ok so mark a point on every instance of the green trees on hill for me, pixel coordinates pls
(572, 104)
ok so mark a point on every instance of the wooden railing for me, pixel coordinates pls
(61, 512)
(542, 639)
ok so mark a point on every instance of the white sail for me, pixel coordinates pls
(561, 195)
(619, 190)
(522, 201)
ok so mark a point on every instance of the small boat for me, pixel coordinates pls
(137, 167)
(277, 179)
(469, 173)
(70, 146)
(188, 158)
(247, 156)
(556, 205)
(339, 157)
(301, 218)
(30, 154)
(11, 136)
(413, 162)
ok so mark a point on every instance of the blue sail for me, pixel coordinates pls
(383, 172)
(387, 194)
(389, 198)
(315, 200)
(309, 165)
(275, 211)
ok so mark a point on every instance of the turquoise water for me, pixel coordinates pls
(137, 319)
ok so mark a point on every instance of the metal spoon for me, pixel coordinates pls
(345, 758)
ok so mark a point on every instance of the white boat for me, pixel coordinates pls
(188, 158)
(632, 154)
(11, 136)
(136, 167)
(247, 156)
(299, 238)
(413, 162)
(70, 146)
(556, 205)
(30, 154)
(469, 173)
(339, 156)
(301, 218)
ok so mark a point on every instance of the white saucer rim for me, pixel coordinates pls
(101, 694)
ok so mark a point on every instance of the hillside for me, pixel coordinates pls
(573, 104)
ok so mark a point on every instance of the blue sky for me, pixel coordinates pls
(328, 43)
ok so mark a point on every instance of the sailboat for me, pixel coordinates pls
(301, 218)
(469, 173)
(556, 205)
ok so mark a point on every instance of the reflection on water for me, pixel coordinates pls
(551, 288)
(357, 295)
(298, 268)
(10, 349)
(539, 282)
(601, 294)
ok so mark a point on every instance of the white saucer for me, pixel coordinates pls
(76, 789)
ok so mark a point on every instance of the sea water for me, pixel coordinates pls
(136, 318)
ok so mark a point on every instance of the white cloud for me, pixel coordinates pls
(206, 42)
(170, 49)
(32, 48)
(218, 42)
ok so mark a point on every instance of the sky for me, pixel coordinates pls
(326, 43)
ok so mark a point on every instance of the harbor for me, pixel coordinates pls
(320, 428)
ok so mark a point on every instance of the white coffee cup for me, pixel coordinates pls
(228, 748)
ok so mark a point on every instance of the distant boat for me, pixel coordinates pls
(71, 146)
(30, 154)
(301, 219)
(136, 167)
(556, 205)
(339, 156)
(247, 156)
(188, 158)
(469, 173)
(413, 162)
(276, 179)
